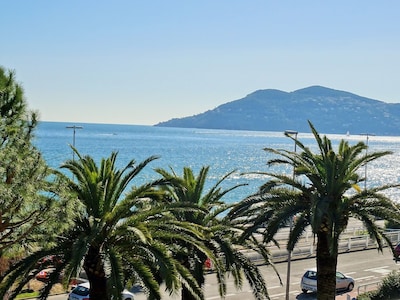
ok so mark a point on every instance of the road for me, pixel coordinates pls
(366, 267)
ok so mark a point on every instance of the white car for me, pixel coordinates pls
(309, 282)
(81, 292)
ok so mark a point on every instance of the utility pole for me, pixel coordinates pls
(366, 153)
(289, 259)
(74, 127)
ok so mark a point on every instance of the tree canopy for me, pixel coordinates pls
(30, 218)
(222, 244)
(25, 185)
(323, 194)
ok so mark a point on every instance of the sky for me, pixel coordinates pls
(144, 62)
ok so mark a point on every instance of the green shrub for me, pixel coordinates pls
(28, 294)
(366, 296)
(392, 225)
(389, 289)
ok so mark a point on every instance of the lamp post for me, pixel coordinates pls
(289, 259)
(366, 153)
(74, 127)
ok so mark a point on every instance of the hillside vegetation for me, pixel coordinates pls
(331, 111)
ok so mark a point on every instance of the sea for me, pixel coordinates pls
(224, 151)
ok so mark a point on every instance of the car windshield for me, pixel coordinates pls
(340, 275)
(81, 291)
(311, 275)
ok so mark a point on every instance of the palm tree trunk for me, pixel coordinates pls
(198, 273)
(186, 294)
(326, 267)
(94, 268)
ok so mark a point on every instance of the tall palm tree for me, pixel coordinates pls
(324, 195)
(116, 232)
(113, 232)
(221, 236)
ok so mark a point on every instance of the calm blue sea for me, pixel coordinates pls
(222, 150)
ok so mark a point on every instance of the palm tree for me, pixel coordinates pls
(112, 233)
(115, 235)
(221, 236)
(324, 195)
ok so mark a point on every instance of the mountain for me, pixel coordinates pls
(331, 111)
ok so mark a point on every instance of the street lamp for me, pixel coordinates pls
(289, 259)
(366, 153)
(74, 127)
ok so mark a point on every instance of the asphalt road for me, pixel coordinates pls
(367, 267)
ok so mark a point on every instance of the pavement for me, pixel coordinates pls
(347, 296)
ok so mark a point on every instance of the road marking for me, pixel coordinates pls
(274, 287)
(277, 295)
(381, 270)
(219, 297)
(362, 278)
(283, 294)
(375, 269)
(350, 273)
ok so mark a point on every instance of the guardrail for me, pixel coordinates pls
(366, 287)
(351, 240)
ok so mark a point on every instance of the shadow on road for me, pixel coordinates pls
(307, 296)
(312, 296)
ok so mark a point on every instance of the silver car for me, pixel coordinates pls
(309, 281)
(81, 292)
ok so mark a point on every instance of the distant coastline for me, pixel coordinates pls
(331, 111)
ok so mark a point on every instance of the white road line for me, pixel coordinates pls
(218, 297)
(215, 297)
(362, 278)
(377, 269)
(283, 294)
(277, 295)
(350, 273)
(274, 287)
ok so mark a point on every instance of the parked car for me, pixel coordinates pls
(81, 292)
(309, 281)
(50, 260)
(76, 281)
(44, 275)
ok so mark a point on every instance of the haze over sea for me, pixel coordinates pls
(222, 150)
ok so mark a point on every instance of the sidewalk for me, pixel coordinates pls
(354, 293)
(347, 296)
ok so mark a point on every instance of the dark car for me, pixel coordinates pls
(396, 252)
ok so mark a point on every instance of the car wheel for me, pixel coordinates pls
(350, 287)
(304, 291)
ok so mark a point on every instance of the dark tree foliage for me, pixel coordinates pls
(29, 216)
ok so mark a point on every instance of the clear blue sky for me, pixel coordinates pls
(142, 62)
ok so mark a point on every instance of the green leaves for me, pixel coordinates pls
(219, 240)
(27, 186)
